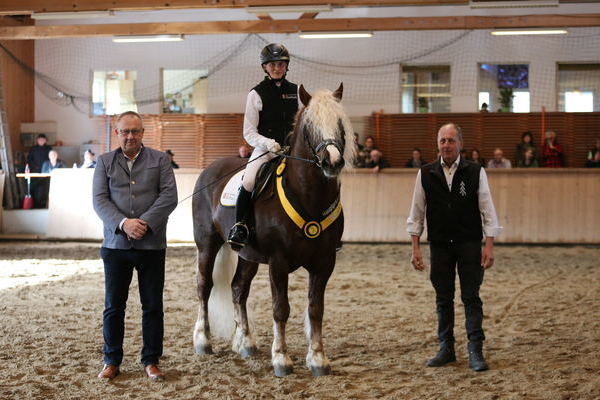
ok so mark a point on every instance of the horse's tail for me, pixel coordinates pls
(220, 303)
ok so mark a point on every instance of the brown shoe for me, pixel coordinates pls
(153, 372)
(109, 372)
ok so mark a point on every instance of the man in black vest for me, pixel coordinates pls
(454, 195)
(270, 110)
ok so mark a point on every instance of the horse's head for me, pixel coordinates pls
(326, 130)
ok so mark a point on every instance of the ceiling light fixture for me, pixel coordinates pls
(334, 35)
(513, 32)
(148, 38)
(289, 9)
(73, 15)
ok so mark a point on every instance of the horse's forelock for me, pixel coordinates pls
(323, 118)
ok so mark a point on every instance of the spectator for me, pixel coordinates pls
(364, 155)
(417, 160)
(52, 162)
(592, 153)
(357, 145)
(552, 152)
(376, 161)
(244, 151)
(476, 157)
(35, 159)
(484, 108)
(595, 163)
(527, 143)
(171, 157)
(499, 161)
(529, 160)
(88, 159)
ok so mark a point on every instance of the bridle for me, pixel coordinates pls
(316, 160)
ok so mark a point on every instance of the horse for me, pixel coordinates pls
(321, 144)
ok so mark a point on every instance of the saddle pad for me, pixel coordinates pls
(231, 190)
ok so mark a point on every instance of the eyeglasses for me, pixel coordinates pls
(126, 132)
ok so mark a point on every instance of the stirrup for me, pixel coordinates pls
(235, 241)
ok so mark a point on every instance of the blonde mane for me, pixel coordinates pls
(321, 118)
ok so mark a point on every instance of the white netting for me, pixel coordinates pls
(369, 68)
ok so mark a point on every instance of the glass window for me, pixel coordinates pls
(184, 91)
(577, 84)
(484, 97)
(425, 89)
(507, 85)
(113, 92)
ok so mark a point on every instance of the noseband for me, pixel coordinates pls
(322, 145)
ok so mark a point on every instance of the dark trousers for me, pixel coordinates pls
(118, 271)
(446, 259)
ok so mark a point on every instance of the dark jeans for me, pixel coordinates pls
(118, 271)
(446, 259)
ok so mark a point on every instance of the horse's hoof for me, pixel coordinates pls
(281, 371)
(320, 371)
(204, 349)
(247, 352)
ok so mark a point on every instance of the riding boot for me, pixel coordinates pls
(444, 356)
(476, 360)
(238, 235)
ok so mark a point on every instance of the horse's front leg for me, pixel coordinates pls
(243, 342)
(319, 274)
(282, 364)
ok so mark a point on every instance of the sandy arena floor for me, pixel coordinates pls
(541, 319)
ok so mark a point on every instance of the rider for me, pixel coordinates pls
(270, 110)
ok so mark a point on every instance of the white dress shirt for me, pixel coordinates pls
(416, 218)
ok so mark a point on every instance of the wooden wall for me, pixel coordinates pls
(533, 205)
(18, 84)
(197, 140)
(398, 134)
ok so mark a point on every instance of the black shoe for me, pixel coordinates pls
(476, 359)
(339, 246)
(238, 236)
(444, 356)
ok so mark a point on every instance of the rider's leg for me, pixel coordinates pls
(238, 236)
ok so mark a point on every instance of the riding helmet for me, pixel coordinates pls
(274, 52)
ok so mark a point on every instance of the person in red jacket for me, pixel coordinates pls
(552, 152)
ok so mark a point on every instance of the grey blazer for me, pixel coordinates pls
(147, 192)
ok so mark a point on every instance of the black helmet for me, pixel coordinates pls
(274, 52)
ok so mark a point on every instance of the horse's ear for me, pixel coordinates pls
(338, 93)
(304, 96)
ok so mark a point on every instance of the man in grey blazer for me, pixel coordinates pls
(134, 192)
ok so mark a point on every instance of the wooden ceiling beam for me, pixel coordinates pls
(298, 25)
(16, 7)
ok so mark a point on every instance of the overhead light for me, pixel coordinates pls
(334, 35)
(148, 38)
(512, 32)
(289, 9)
(73, 15)
(513, 4)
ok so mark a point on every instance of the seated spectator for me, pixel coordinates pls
(552, 152)
(527, 143)
(595, 163)
(529, 160)
(376, 161)
(364, 155)
(417, 160)
(357, 145)
(476, 157)
(596, 149)
(499, 161)
(484, 108)
(52, 162)
(172, 157)
(88, 159)
(244, 151)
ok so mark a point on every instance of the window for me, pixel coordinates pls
(425, 89)
(507, 86)
(184, 91)
(113, 92)
(577, 85)
(484, 97)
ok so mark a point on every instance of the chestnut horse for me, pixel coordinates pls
(321, 144)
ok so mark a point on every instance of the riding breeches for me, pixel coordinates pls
(253, 166)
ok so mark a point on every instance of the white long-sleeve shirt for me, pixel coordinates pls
(489, 219)
(254, 106)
